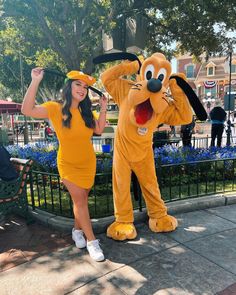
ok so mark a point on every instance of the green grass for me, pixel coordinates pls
(101, 199)
(175, 182)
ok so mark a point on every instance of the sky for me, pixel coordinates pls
(174, 65)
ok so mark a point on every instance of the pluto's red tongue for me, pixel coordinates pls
(143, 112)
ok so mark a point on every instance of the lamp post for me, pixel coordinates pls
(130, 33)
(26, 134)
(228, 130)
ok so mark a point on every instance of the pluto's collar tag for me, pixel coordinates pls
(142, 131)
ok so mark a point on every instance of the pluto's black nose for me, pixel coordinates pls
(154, 85)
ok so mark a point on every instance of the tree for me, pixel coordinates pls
(197, 26)
(67, 34)
(72, 29)
(60, 34)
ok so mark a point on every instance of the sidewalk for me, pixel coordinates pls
(198, 258)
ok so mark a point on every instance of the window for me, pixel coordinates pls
(210, 71)
(210, 68)
(190, 71)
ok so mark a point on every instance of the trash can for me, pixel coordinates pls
(106, 148)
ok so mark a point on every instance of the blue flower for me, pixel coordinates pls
(44, 155)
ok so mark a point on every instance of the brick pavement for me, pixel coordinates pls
(189, 261)
(20, 242)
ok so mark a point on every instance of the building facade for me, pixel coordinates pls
(209, 79)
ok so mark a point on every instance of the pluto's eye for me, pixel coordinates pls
(161, 74)
(148, 75)
(149, 72)
(160, 77)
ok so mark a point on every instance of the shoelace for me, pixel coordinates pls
(96, 245)
(79, 235)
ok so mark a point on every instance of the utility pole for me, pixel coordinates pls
(26, 134)
(228, 131)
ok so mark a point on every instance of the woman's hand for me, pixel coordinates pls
(103, 103)
(101, 122)
(28, 107)
(37, 74)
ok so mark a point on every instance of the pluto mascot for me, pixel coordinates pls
(144, 103)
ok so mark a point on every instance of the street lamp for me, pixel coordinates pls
(130, 34)
(26, 134)
(228, 130)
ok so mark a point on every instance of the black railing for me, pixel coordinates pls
(190, 180)
(177, 181)
(48, 193)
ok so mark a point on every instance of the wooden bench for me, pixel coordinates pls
(13, 194)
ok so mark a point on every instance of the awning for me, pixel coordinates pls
(9, 107)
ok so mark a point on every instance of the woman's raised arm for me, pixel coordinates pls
(28, 106)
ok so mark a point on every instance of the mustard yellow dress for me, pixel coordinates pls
(76, 159)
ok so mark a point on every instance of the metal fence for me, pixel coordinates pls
(178, 181)
(205, 142)
(196, 141)
(47, 192)
(195, 179)
(106, 139)
(98, 141)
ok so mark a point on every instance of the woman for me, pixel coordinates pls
(74, 125)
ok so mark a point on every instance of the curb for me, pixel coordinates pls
(100, 225)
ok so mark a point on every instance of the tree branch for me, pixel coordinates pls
(99, 29)
(53, 41)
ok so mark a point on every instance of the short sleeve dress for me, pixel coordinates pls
(76, 160)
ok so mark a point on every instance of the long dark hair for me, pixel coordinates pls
(84, 107)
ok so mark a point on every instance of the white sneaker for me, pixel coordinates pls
(78, 237)
(94, 250)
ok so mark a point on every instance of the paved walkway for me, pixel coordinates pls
(198, 258)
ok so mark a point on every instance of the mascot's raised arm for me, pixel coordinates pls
(143, 105)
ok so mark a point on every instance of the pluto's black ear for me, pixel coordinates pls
(96, 90)
(54, 72)
(192, 97)
(116, 56)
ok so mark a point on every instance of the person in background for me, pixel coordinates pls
(7, 169)
(172, 131)
(218, 117)
(186, 132)
(48, 132)
(74, 125)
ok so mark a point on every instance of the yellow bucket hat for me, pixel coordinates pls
(78, 75)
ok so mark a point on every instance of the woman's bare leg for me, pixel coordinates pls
(80, 206)
(77, 224)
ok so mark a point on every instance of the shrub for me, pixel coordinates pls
(44, 156)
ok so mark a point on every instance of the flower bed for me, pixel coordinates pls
(174, 155)
(182, 173)
(44, 156)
